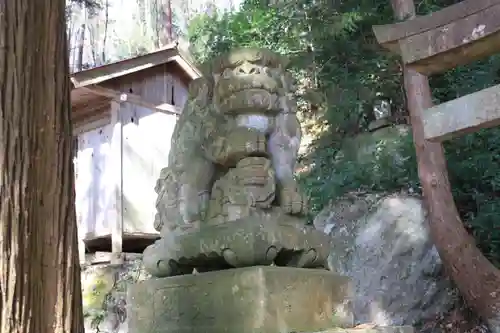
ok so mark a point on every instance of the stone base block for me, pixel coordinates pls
(263, 299)
(251, 241)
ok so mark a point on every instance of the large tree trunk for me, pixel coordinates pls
(477, 279)
(40, 274)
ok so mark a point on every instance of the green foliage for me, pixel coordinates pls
(335, 55)
(473, 165)
(391, 165)
(261, 27)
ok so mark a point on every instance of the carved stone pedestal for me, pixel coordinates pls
(263, 299)
(255, 240)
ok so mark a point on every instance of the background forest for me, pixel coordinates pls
(342, 76)
(105, 31)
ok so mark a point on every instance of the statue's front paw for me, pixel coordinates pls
(156, 261)
(292, 201)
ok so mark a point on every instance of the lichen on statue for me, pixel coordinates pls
(242, 107)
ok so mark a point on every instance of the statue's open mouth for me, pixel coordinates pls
(227, 86)
(239, 92)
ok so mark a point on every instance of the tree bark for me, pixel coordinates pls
(106, 26)
(166, 29)
(40, 275)
(476, 278)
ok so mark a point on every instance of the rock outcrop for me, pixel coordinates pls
(104, 288)
(382, 243)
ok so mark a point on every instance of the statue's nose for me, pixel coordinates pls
(247, 68)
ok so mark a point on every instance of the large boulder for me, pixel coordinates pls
(382, 242)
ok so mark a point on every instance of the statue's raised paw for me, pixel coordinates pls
(292, 201)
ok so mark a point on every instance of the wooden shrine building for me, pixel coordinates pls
(123, 117)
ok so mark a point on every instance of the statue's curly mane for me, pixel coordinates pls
(235, 58)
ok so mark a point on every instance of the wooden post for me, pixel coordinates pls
(81, 250)
(80, 232)
(117, 153)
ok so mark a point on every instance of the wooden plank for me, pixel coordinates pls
(81, 250)
(91, 237)
(391, 33)
(464, 115)
(456, 43)
(185, 63)
(91, 106)
(134, 99)
(100, 121)
(117, 147)
(106, 257)
(97, 258)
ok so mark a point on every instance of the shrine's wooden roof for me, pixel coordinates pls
(169, 53)
(94, 89)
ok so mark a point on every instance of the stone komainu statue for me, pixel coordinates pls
(232, 158)
(243, 107)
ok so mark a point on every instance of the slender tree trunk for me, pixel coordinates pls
(157, 23)
(477, 279)
(165, 15)
(81, 44)
(106, 23)
(40, 274)
(69, 31)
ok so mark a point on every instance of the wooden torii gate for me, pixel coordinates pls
(432, 44)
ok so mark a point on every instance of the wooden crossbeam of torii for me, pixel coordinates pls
(454, 36)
